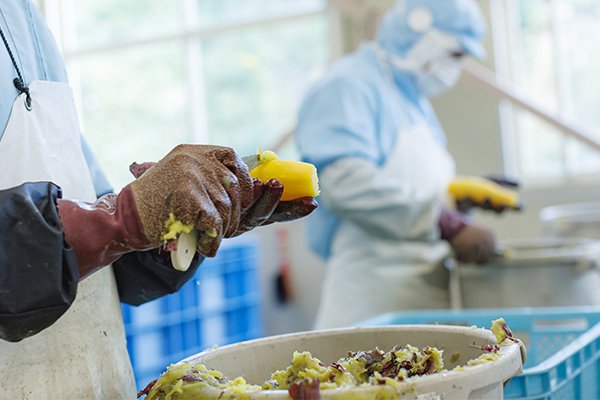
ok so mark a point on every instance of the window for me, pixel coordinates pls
(552, 53)
(149, 75)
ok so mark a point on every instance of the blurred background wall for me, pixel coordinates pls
(232, 72)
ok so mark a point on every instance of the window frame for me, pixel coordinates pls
(504, 33)
(189, 35)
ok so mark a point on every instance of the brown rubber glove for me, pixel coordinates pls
(471, 243)
(474, 244)
(101, 232)
(208, 186)
(266, 211)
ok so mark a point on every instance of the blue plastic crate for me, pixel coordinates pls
(563, 347)
(218, 306)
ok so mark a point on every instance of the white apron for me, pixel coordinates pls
(367, 276)
(83, 355)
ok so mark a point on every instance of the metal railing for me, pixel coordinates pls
(502, 89)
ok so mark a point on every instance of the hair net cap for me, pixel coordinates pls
(409, 20)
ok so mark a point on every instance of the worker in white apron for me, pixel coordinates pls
(61, 332)
(384, 168)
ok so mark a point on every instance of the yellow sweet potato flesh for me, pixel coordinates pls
(299, 179)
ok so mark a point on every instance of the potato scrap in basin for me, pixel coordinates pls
(306, 375)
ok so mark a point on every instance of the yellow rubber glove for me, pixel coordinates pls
(469, 192)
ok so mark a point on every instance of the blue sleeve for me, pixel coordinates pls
(338, 119)
(101, 184)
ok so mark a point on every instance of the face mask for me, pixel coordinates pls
(433, 62)
(441, 76)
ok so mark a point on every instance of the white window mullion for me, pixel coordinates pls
(561, 59)
(561, 63)
(501, 26)
(68, 12)
(51, 10)
(196, 92)
(560, 72)
(336, 41)
(198, 116)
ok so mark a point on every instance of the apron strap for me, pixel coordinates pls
(18, 81)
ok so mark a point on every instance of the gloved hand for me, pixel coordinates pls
(266, 208)
(470, 243)
(474, 244)
(495, 194)
(208, 186)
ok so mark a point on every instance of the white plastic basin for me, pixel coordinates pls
(256, 360)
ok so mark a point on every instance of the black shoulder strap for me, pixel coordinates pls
(18, 81)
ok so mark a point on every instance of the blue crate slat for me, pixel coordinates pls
(192, 314)
(563, 347)
(218, 306)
